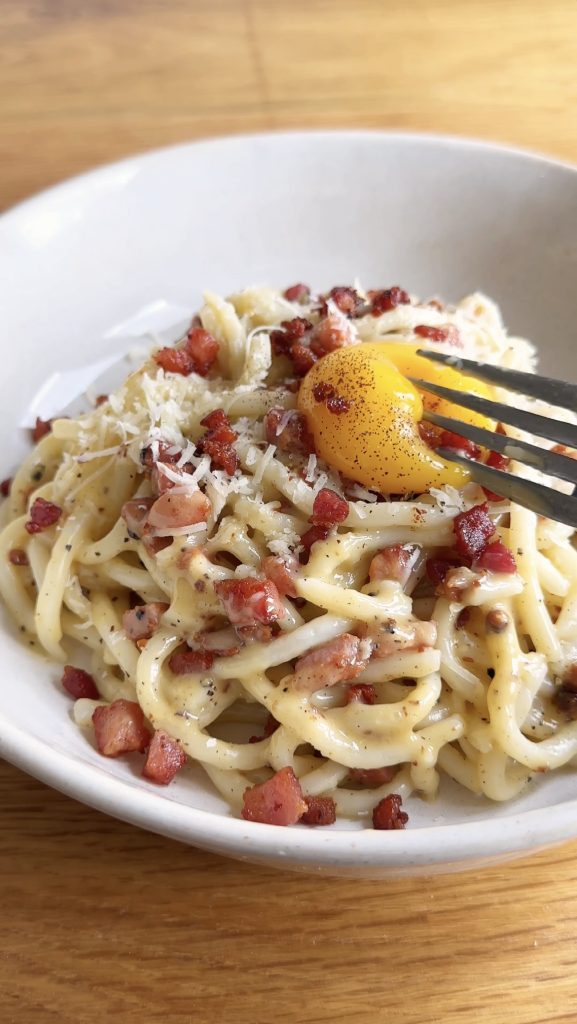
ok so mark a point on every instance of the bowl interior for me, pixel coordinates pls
(439, 217)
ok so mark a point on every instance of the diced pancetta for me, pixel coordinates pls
(321, 810)
(43, 515)
(282, 571)
(278, 801)
(120, 728)
(135, 515)
(186, 661)
(249, 600)
(164, 759)
(395, 562)
(173, 510)
(289, 431)
(372, 778)
(79, 683)
(388, 815)
(339, 659)
(472, 530)
(329, 509)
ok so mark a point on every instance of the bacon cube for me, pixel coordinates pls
(320, 810)
(472, 530)
(79, 683)
(388, 814)
(120, 728)
(164, 759)
(250, 600)
(278, 801)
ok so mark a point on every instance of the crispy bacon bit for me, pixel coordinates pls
(282, 571)
(120, 728)
(565, 697)
(185, 661)
(289, 431)
(302, 358)
(437, 569)
(497, 461)
(334, 402)
(496, 558)
(250, 600)
(17, 556)
(388, 814)
(297, 293)
(218, 423)
(164, 759)
(43, 514)
(472, 530)
(329, 508)
(135, 515)
(5, 486)
(339, 659)
(346, 299)
(373, 777)
(456, 443)
(79, 683)
(141, 622)
(279, 801)
(174, 510)
(390, 637)
(364, 693)
(321, 810)
(40, 429)
(332, 332)
(394, 563)
(387, 299)
(447, 333)
(203, 348)
(290, 331)
(100, 400)
(174, 360)
(217, 441)
(271, 726)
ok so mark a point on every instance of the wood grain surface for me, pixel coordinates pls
(99, 921)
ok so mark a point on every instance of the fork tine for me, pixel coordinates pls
(556, 392)
(562, 433)
(540, 499)
(539, 458)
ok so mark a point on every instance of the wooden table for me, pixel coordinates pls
(100, 921)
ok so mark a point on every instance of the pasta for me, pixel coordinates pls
(246, 592)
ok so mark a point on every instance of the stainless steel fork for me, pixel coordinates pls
(546, 501)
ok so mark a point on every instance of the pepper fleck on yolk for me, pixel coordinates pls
(376, 441)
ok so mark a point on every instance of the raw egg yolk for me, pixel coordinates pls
(373, 438)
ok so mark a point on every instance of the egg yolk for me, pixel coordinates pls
(374, 438)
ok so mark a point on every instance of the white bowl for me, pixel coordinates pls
(438, 216)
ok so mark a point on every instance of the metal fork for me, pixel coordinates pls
(532, 495)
